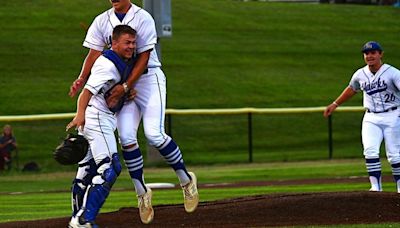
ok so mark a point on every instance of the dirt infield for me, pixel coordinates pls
(258, 211)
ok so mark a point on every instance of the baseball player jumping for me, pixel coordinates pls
(149, 81)
(380, 84)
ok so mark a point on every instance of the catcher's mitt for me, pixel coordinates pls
(71, 150)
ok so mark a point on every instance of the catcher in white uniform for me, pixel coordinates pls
(97, 123)
(380, 84)
(149, 81)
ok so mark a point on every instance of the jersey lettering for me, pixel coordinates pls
(374, 87)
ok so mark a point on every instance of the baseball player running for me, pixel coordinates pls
(98, 124)
(149, 81)
(380, 84)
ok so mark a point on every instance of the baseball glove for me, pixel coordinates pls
(71, 150)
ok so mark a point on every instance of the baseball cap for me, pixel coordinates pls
(371, 46)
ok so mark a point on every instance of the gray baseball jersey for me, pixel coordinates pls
(381, 90)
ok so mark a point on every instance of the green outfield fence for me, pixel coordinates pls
(238, 111)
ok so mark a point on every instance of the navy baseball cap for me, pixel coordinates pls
(371, 46)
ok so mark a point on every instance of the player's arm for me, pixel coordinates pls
(85, 72)
(347, 93)
(83, 101)
(119, 90)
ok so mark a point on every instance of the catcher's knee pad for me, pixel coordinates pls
(108, 171)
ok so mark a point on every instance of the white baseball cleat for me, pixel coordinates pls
(146, 211)
(74, 223)
(375, 190)
(190, 194)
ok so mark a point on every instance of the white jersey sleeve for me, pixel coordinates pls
(104, 76)
(95, 38)
(103, 72)
(146, 30)
(354, 82)
(396, 77)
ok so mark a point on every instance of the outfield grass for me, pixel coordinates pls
(232, 54)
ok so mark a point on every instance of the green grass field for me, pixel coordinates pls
(232, 54)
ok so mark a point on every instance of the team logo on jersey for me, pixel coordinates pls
(374, 87)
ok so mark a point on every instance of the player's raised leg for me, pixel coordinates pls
(152, 105)
(134, 163)
(173, 156)
(128, 120)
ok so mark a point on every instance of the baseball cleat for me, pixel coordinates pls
(375, 190)
(76, 223)
(190, 194)
(146, 211)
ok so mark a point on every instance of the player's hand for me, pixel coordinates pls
(77, 122)
(115, 95)
(76, 86)
(131, 94)
(329, 109)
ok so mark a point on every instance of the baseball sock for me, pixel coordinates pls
(134, 162)
(396, 175)
(374, 169)
(172, 154)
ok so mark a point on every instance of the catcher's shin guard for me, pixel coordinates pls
(98, 191)
(85, 174)
(77, 193)
(116, 164)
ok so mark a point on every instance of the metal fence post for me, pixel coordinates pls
(250, 136)
(169, 129)
(330, 141)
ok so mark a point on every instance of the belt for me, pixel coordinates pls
(387, 110)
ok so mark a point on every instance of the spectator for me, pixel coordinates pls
(7, 145)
